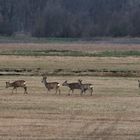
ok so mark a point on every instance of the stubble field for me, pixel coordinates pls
(112, 113)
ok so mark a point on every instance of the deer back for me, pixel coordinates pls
(52, 85)
(72, 85)
(85, 86)
(18, 83)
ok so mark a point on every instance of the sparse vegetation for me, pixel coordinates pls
(113, 110)
(105, 115)
(56, 65)
(70, 40)
(69, 53)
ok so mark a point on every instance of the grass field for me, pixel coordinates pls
(55, 65)
(112, 113)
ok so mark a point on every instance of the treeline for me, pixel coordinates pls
(70, 18)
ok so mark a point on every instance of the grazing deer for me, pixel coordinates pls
(51, 85)
(85, 87)
(139, 83)
(16, 84)
(72, 86)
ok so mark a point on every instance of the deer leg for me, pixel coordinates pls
(56, 91)
(25, 90)
(81, 92)
(48, 90)
(59, 90)
(13, 90)
(72, 91)
(69, 92)
(91, 91)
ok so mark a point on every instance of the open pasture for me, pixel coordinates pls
(56, 65)
(113, 112)
(98, 45)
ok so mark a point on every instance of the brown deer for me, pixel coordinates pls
(85, 87)
(72, 86)
(16, 84)
(51, 85)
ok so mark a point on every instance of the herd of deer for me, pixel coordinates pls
(54, 86)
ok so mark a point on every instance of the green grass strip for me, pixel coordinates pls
(70, 53)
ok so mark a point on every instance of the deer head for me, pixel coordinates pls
(65, 83)
(7, 84)
(80, 81)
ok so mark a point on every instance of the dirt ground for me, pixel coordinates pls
(112, 113)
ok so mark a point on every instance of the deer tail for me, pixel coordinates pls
(91, 86)
(25, 83)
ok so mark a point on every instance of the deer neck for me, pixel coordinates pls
(67, 84)
(9, 84)
(45, 81)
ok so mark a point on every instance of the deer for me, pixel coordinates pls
(51, 85)
(16, 84)
(85, 87)
(72, 86)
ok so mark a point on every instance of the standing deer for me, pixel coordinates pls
(51, 85)
(16, 84)
(72, 86)
(85, 87)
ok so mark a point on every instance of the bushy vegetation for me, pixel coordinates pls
(70, 18)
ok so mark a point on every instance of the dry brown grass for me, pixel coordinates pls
(79, 46)
(112, 113)
(68, 65)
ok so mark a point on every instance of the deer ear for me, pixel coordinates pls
(44, 74)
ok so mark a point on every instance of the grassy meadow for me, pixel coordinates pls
(112, 113)
(56, 65)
